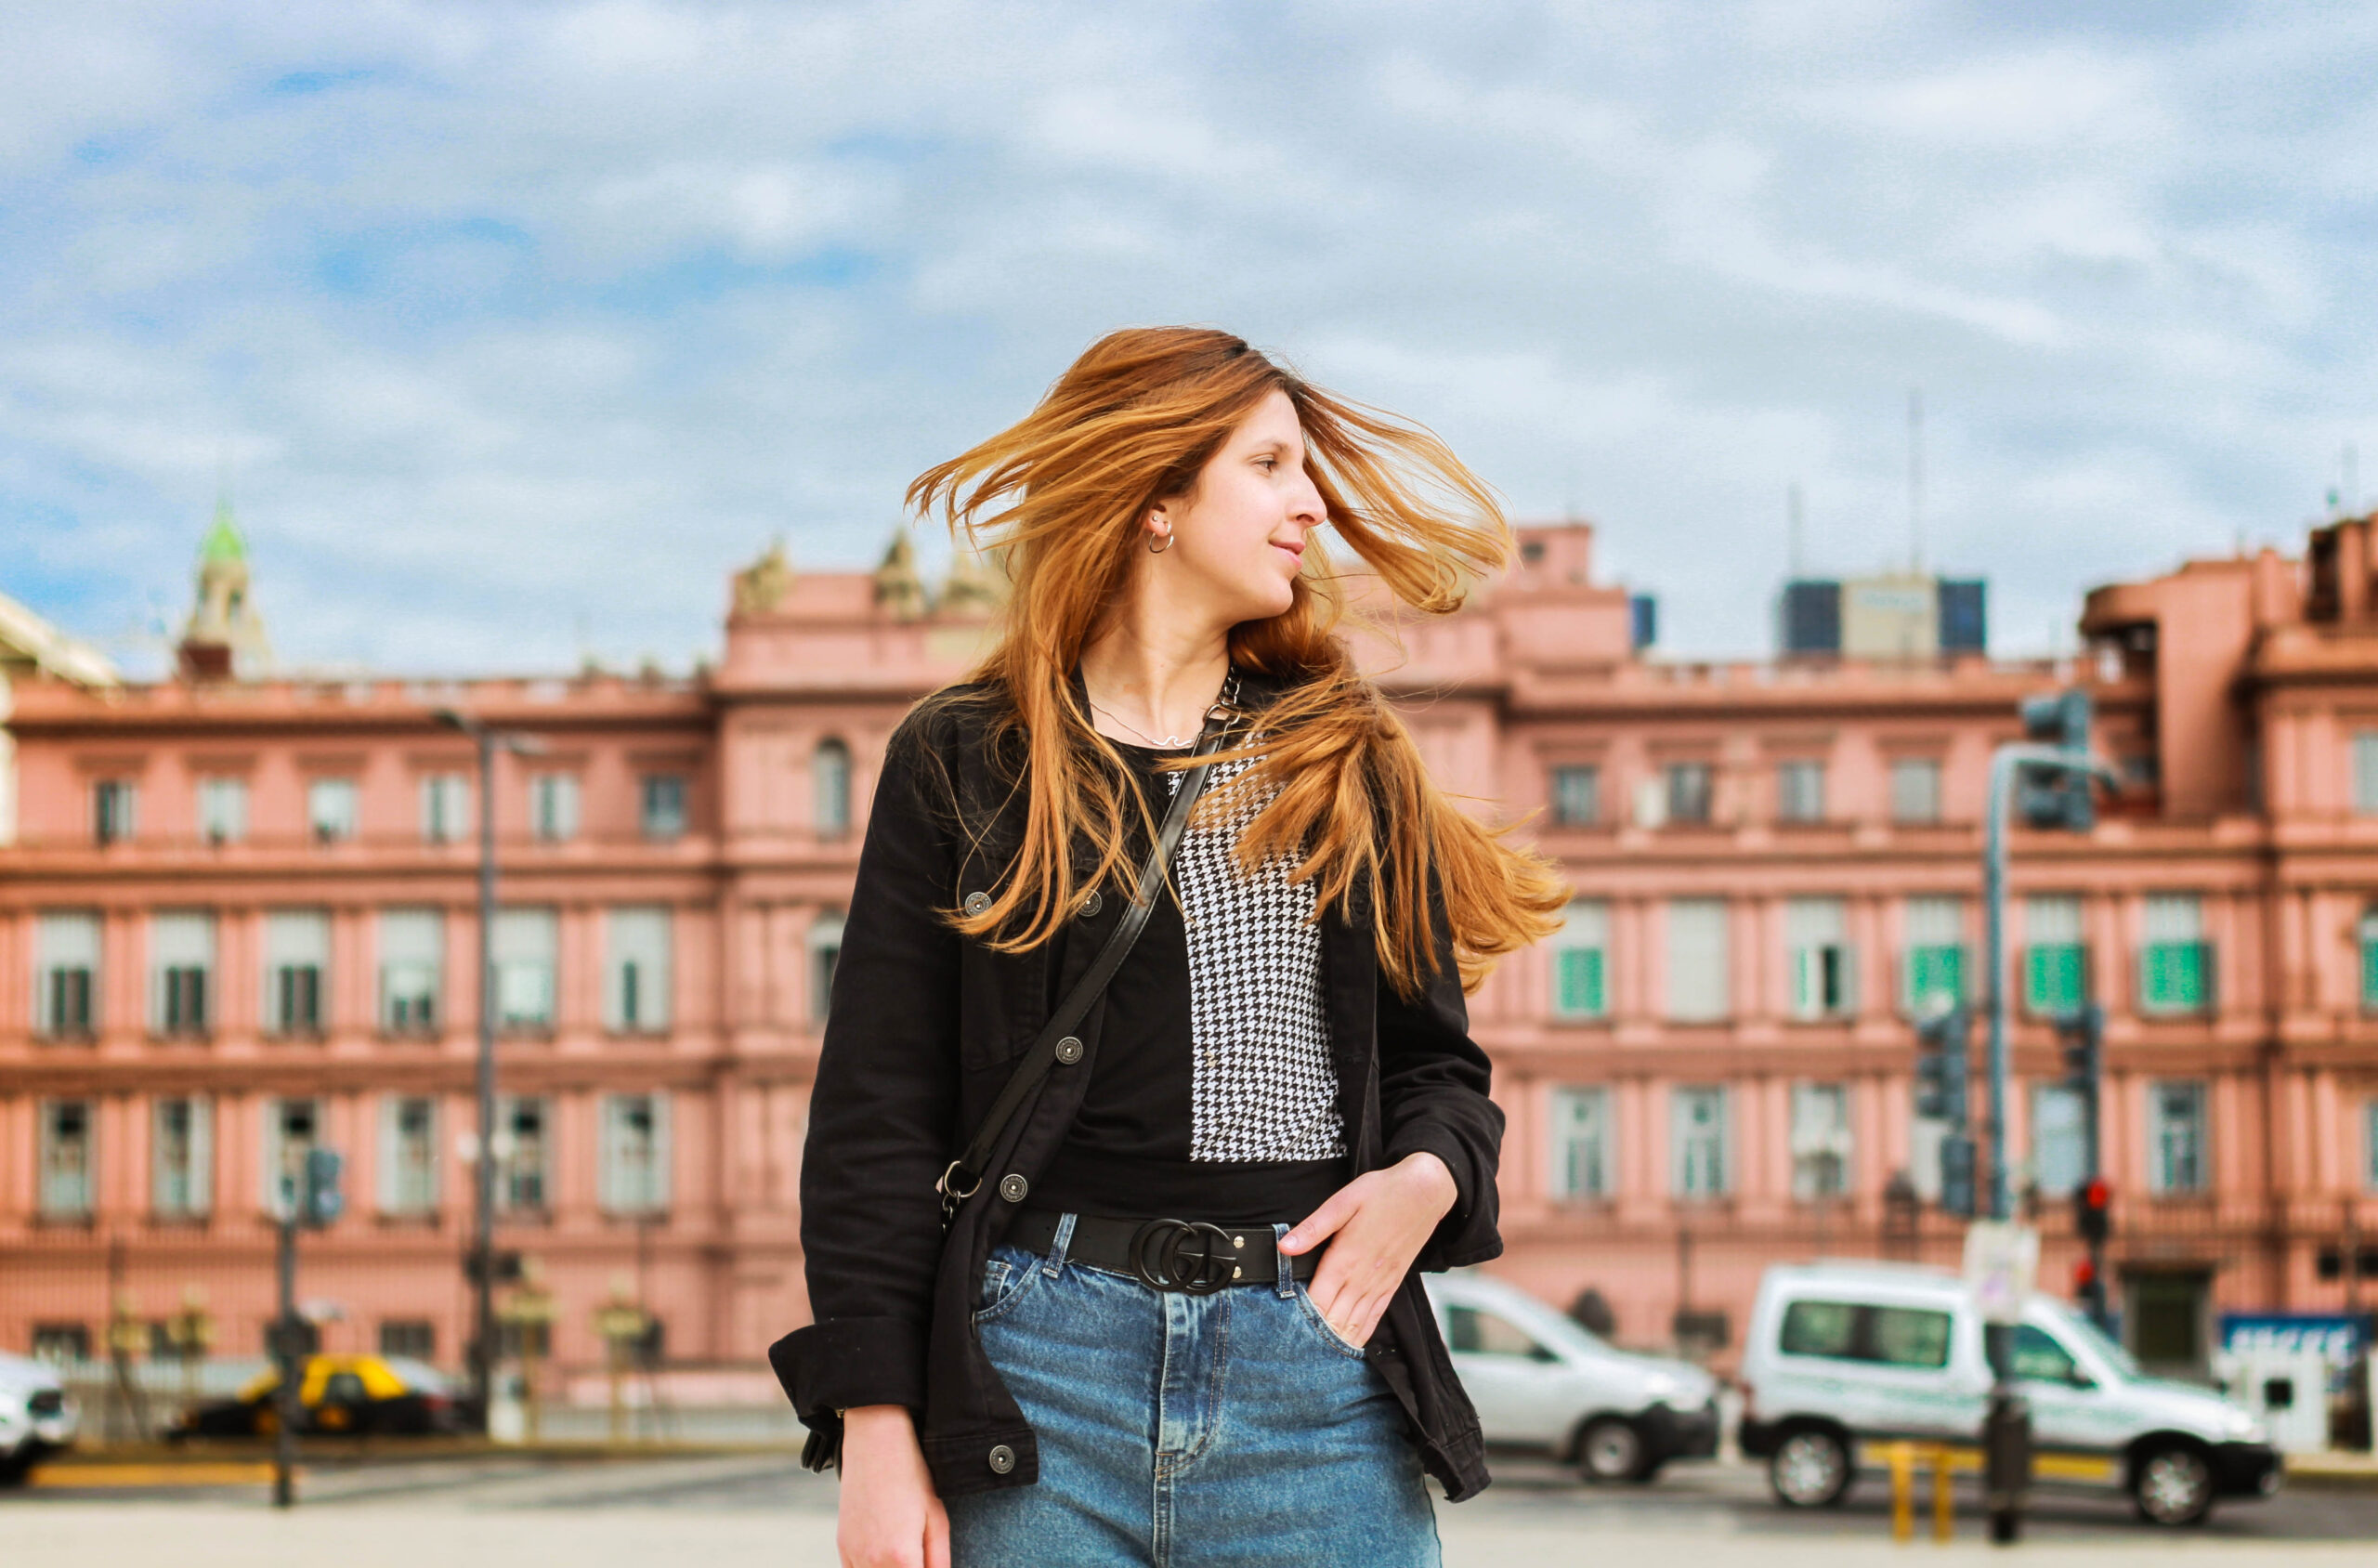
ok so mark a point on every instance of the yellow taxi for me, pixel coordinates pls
(339, 1394)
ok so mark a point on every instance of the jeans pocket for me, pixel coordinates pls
(1320, 1325)
(1005, 1282)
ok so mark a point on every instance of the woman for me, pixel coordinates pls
(1162, 1305)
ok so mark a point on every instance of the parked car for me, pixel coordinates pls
(1541, 1380)
(1842, 1357)
(37, 1416)
(339, 1394)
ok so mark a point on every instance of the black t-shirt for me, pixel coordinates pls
(1212, 1095)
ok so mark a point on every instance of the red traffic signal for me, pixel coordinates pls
(2092, 1204)
(2085, 1274)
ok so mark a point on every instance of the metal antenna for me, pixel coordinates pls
(1915, 481)
(1794, 524)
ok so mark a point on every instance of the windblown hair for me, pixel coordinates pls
(1345, 797)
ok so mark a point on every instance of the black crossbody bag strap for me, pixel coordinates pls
(965, 1174)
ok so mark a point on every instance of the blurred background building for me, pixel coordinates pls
(238, 916)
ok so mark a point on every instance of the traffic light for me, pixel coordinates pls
(2092, 1217)
(1957, 1190)
(2083, 1034)
(323, 1200)
(2058, 797)
(1941, 1067)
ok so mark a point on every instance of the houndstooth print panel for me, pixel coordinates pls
(1262, 1086)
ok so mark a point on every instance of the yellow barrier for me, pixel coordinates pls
(1903, 1458)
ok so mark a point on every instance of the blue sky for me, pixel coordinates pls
(516, 326)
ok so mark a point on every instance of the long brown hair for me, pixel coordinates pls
(1345, 796)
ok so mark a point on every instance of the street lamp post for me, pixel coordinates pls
(483, 1163)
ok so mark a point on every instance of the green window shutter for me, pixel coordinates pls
(2369, 1000)
(1580, 993)
(1936, 971)
(2174, 977)
(2052, 976)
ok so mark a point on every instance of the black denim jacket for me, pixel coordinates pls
(923, 1031)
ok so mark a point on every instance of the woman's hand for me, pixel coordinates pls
(889, 1516)
(1380, 1221)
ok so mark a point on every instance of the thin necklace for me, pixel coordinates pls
(1171, 742)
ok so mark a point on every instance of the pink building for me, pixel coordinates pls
(238, 914)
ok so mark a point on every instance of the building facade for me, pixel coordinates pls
(239, 919)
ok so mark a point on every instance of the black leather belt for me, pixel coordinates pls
(1166, 1254)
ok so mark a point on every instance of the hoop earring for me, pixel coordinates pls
(1159, 544)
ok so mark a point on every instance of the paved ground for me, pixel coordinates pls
(727, 1511)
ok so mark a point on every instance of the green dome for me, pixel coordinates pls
(223, 540)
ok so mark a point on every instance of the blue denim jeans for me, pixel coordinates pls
(1177, 1429)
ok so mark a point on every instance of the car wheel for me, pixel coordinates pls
(15, 1466)
(2172, 1485)
(1610, 1449)
(1809, 1470)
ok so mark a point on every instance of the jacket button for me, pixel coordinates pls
(1092, 904)
(977, 902)
(1069, 1050)
(1012, 1187)
(1002, 1458)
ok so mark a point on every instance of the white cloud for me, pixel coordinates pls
(505, 317)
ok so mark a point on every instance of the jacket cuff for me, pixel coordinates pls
(1452, 1236)
(845, 1362)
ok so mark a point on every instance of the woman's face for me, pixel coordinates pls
(1238, 535)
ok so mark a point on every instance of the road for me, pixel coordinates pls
(727, 1510)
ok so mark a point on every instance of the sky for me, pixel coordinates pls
(514, 328)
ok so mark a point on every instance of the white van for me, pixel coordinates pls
(1541, 1380)
(1842, 1357)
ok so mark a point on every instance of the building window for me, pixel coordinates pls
(296, 960)
(527, 941)
(2056, 960)
(522, 1148)
(66, 977)
(332, 813)
(2367, 935)
(1690, 787)
(635, 970)
(825, 955)
(182, 1156)
(61, 1344)
(1799, 791)
(1916, 789)
(2176, 1137)
(552, 807)
(2059, 1140)
(1819, 1141)
(1697, 959)
(1936, 954)
(181, 972)
(412, 963)
(2176, 964)
(830, 784)
(2365, 772)
(410, 1338)
(69, 1170)
(292, 1129)
(633, 1174)
(1583, 1162)
(1581, 962)
(1576, 796)
(1816, 936)
(663, 814)
(408, 1154)
(116, 810)
(445, 807)
(222, 810)
(1697, 1131)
